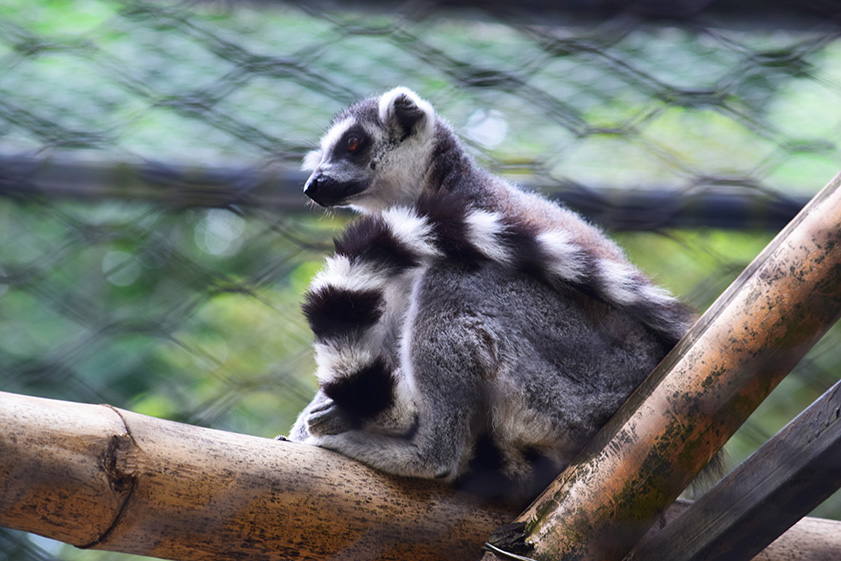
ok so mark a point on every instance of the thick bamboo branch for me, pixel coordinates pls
(695, 399)
(103, 478)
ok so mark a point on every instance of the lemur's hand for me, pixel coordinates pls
(327, 418)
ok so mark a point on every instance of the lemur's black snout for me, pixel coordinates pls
(311, 187)
(326, 191)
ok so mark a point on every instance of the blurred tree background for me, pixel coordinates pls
(154, 244)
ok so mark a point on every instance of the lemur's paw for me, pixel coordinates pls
(327, 418)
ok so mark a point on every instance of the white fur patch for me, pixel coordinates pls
(483, 229)
(657, 295)
(396, 295)
(621, 282)
(311, 160)
(407, 387)
(335, 133)
(340, 361)
(386, 106)
(342, 273)
(567, 259)
(411, 230)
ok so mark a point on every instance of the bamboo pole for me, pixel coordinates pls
(695, 399)
(103, 478)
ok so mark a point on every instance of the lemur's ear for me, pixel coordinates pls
(405, 113)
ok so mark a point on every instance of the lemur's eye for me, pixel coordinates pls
(353, 143)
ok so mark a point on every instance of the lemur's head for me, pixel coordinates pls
(376, 153)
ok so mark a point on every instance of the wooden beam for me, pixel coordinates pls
(811, 539)
(790, 475)
(601, 506)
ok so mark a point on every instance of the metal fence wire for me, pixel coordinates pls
(154, 243)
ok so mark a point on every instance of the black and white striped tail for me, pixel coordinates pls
(358, 302)
(463, 232)
(352, 304)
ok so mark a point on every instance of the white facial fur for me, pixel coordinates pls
(400, 165)
(311, 161)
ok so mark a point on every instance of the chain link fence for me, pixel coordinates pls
(154, 244)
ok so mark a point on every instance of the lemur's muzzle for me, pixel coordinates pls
(326, 191)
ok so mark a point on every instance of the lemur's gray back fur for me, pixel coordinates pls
(464, 328)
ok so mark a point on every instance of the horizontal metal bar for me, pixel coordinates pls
(787, 14)
(713, 206)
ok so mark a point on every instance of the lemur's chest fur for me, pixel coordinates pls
(463, 328)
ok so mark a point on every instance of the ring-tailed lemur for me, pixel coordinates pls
(465, 329)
